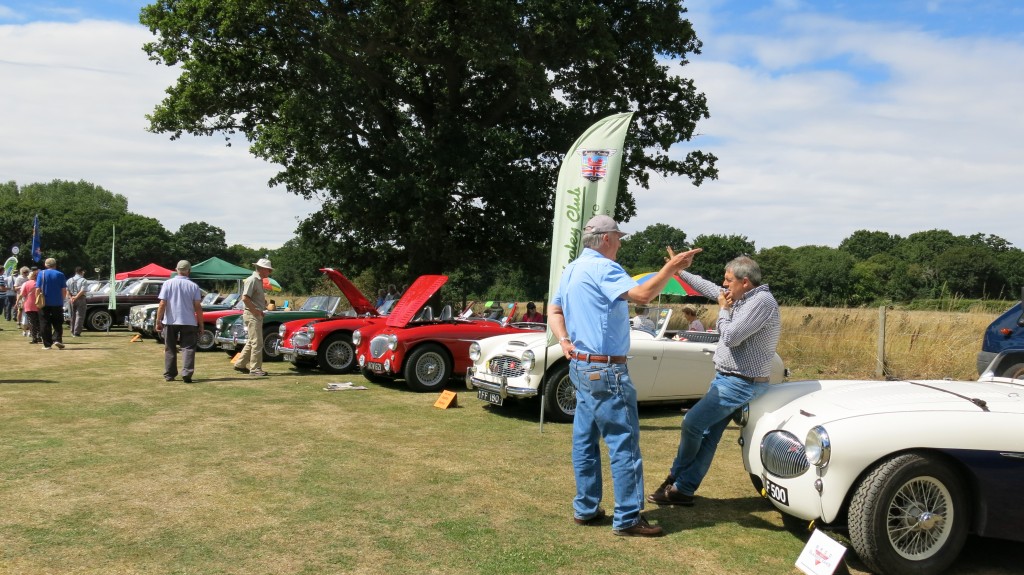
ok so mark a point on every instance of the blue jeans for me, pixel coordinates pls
(703, 426)
(606, 407)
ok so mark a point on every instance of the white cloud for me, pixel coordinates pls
(908, 132)
(76, 96)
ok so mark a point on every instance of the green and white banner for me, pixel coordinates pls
(587, 185)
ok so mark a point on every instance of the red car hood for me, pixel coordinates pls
(360, 304)
(413, 299)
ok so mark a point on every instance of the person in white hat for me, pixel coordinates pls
(251, 358)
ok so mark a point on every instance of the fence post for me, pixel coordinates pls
(880, 354)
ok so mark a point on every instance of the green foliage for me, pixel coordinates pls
(198, 241)
(863, 244)
(140, 241)
(431, 132)
(645, 251)
(718, 251)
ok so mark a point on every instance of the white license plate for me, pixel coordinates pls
(776, 492)
(375, 367)
(489, 396)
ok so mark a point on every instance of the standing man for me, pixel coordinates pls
(181, 313)
(76, 291)
(255, 301)
(749, 326)
(590, 317)
(4, 299)
(54, 286)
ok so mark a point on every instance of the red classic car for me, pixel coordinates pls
(415, 346)
(327, 342)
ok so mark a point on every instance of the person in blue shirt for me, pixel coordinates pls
(53, 284)
(590, 317)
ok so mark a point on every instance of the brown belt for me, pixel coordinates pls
(598, 358)
(745, 378)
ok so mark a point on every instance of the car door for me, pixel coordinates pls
(686, 370)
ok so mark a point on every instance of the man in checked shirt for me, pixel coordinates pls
(749, 326)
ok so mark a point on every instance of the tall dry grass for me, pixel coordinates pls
(840, 343)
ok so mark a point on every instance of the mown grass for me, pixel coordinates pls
(106, 468)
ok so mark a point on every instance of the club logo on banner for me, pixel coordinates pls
(595, 164)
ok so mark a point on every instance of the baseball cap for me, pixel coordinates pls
(602, 224)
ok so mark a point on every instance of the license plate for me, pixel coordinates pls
(376, 367)
(489, 396)
(776, 492)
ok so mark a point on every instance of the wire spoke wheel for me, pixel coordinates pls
(919, 518)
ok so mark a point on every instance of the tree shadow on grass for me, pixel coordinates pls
(3, 381)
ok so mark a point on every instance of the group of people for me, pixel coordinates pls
(34, 299)
(589, 315)
(180, 317)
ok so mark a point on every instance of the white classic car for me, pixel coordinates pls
(663, 370)
(909, 467)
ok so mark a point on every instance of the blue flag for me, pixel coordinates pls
(37, 248)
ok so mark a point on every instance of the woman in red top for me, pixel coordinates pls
(28, 302)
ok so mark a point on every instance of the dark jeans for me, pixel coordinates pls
(8, 305)
(185, 336)
(51, 324)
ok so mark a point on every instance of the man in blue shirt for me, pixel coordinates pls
(590, 317)
(181, 313)
(54, 286)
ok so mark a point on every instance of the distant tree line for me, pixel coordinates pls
(868, 268)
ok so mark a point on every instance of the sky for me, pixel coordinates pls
(827, 117)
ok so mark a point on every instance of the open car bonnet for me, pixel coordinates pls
(360, 304)
(413, 299)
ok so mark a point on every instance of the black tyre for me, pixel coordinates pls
(270, 340)
(99, 320)
(427, 368)
(336, 354)
(205, 341)
(374, 378)
(910, 514)
(1016, 371)
(559, 395)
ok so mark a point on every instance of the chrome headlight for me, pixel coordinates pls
(392, 341)
(817, 447)
(220, 323)
(356, 337)
(474, 352)
(280, 330)
(528, 360)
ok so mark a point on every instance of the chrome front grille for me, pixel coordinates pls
(378, 346)
(506, 366)
(782, 454)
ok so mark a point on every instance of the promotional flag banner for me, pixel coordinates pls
(587, 185)
(112, 301)
(37, 241)
(10, 264)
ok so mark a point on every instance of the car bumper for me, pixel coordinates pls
(496, 384)
(289, 353)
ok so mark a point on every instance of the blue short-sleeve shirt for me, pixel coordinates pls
(589, 293)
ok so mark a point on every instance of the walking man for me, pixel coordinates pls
(251, 357)
(180, 317)
(749, 329)
(76, 291)
(590, 317)
(53, 284)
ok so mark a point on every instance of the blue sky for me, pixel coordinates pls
(827, 117)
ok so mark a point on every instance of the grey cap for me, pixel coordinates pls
(184, 266)
(602, 224)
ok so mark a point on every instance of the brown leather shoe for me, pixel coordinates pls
(597, 518)
(641, 529)
(671, 496)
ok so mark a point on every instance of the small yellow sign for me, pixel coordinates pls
(447, 399)
(138, 337)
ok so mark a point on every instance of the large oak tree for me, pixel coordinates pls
(430, 130)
